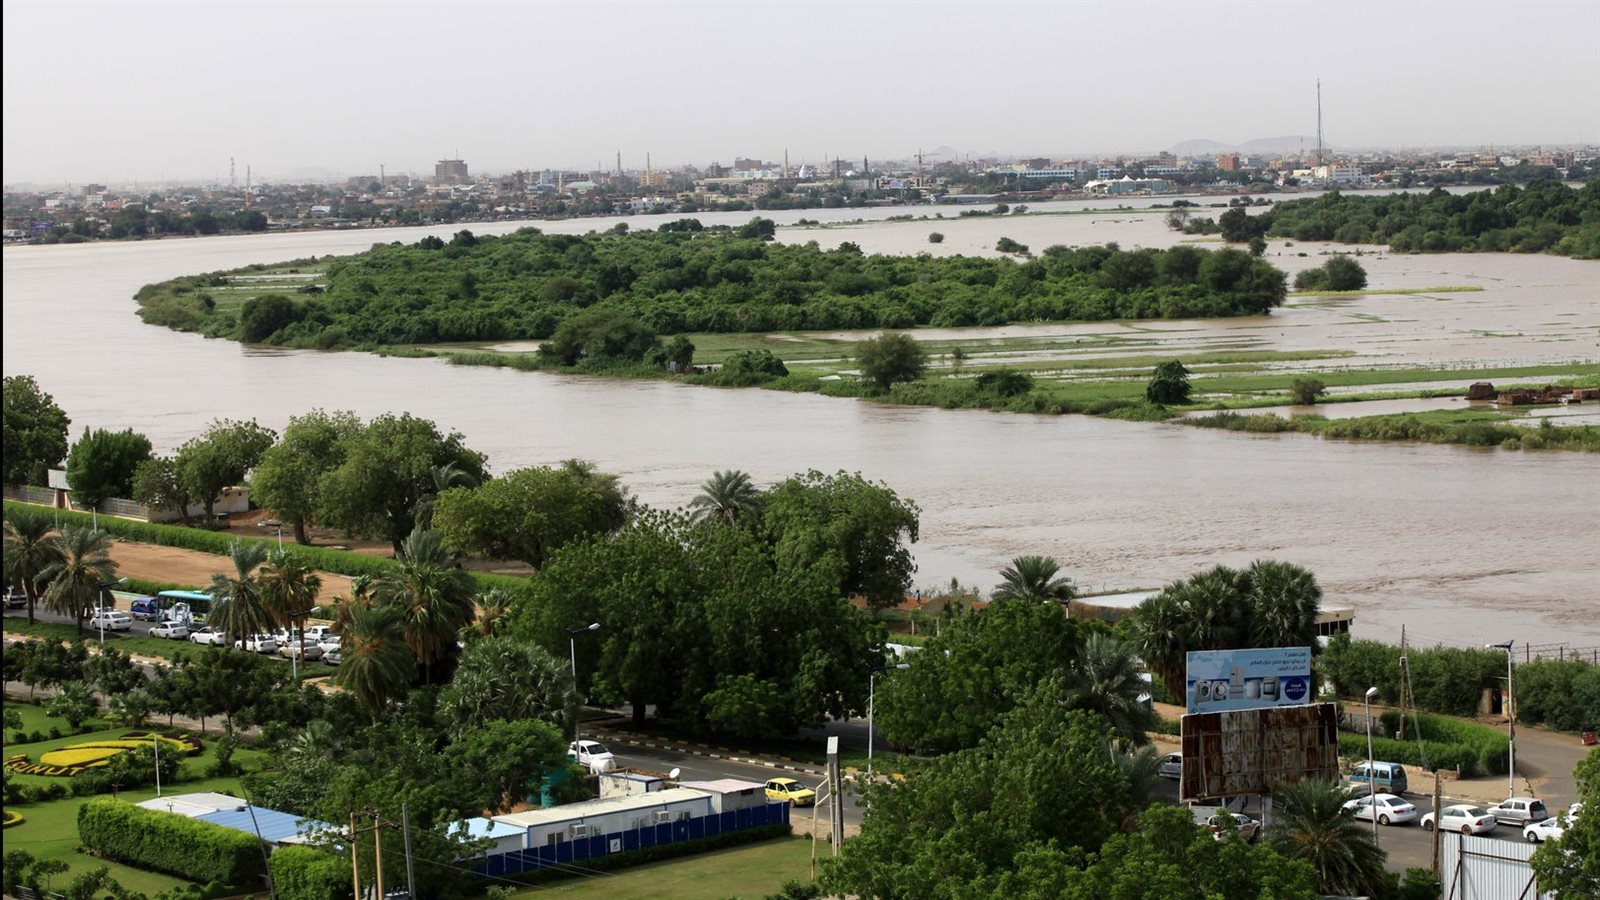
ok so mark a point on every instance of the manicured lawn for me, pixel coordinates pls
(753, 871)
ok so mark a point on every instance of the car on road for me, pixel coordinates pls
(15, 598)
(1389, 809)
(1519, 811)
(111, 620)
(302, 650)
(315, 633)
(332, 657)
(145, 609)
(329, 643)
(1545, 829)
(209, 635)
(172, 631)
(592, 755)
(1171, 766)
(1462, 817)
(788, 790)
(259, 643)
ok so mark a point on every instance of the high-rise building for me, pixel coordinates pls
(450, 171)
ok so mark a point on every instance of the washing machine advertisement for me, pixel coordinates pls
(1220, 680)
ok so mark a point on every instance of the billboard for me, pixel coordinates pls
(1252, 751)
(1219, 680)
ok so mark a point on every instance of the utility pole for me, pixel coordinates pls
(411, 876)
(1401, 733)
(377, 850)
(355, 859)
(1437, 831)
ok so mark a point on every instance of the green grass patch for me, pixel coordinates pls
(1475, 428)
(756, 870)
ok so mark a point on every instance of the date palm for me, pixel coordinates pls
(377, 662)
(1285, 599)
(289, 587)
(238, 606)
(1309, 823)
(30, 547)
(1036, 579)
(432, 597)
(1105, 679)
(73, 579)
(360, 597)
(441, 479)
(728, 497)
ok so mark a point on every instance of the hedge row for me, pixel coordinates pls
(306, 873)
(1471, 749)
(170, 843)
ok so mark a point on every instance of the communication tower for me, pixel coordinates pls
(1320, 160)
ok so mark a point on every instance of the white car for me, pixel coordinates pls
(1545, 829)
(1390, 809)
(304, 650)
(315, 633)
(172, 631)
(330, 643)
(111, 620)
(1171, 766)
(592, 755)
(209, 635)
(1464, 818)
(260, 643)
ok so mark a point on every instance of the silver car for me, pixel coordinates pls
(1171, 766)
(1519, 811)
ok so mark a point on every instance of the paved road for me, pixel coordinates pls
(700, 768)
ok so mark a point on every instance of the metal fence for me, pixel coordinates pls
(1532, 652)
(28, 494)
(574, 851)
(1476, 868)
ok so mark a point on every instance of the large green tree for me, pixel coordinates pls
(858, 527)
(220, 458)
(289, 587)
(156, 484)
(726, 497)
(287, 480)
(1169, 383)
(507, 678)
(1104, 679)
(386, 471)
(527, 514)
(101, 464)
(890, 359)
(1570, 867)
(34, 431)
(378, 665)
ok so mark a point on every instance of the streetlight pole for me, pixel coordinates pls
(1372, 777)
(295, 634)
(1511, 720)
(277, 524)
(572, 639)
(100, 606)
(872, 674)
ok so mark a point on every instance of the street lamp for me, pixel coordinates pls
(275, 524)
(295, 634)
(572, 638)
(872, 674)
(1511, 720)
(1372, 777)
(100, 605)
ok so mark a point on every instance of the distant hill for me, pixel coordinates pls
(1287, 144)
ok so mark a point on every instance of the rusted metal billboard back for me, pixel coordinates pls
(1252, 751)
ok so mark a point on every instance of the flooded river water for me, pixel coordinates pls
(1461, 545)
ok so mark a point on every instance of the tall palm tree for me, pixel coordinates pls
(441, 479)
(377, 664)
(432, 596)
(493, 605)
(1218, 604)
(289, 587)
(75, 577)
(728, 497)
(315, 740)
(1141, 769)
(1284, 601)
(1034, 578)
(30, 548)
(1105, 679)
(237, 604)
(360, 597)
(1161, 628)
(1309, 823)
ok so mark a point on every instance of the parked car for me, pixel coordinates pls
(15, 598)
(1384, 777)
(1390, 810)
(1248, 829)
(302, 650)
(1171, 766)
(111, 620)
(329, 644)
(1462, 817)
(1520, 811)
(259, 643)
(172, 631)
(1547, 829)
(315, 633)
(592, 755)
(332, 657)
(791, 791)
(145, 609)
(209, 635)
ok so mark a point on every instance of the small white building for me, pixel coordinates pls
(628, 784)
(593, 818)
(505, 837)
(194, 805)
(729, 794)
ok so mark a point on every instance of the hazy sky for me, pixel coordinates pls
(114, 92)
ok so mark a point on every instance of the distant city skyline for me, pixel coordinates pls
(151, 92)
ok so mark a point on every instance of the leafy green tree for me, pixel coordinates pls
(1169, 384)
(31, 547)
(1238, 226)
(1311, 825)
(1305, 391)
(753, 365)
(156, 484)
(935, 237)
(527, 514)
(891, 359)
(727, 497)
(378, 665)
(101, 464)
(73, 702)
(387, 470)
(1035, 579)
(73, 580)
(1345, 274)
(49, 663)
(220, 458)
(238, 604)
(113, 672)
(757, 229)
(500, 758)
(35, 431)
(432, 596)
(1570, 866)
(857, 527)
(287, 480)
(262, 317)
(507, 678)
(443, 478)
(600, 334)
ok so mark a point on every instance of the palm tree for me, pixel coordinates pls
(432, 596)
(1141, 769)
(1161, 628)
(315, 740)
(1105, 679)
(360, 597)
(727, 497)
(441, 479)
(1034, 578)
(377, 663)
(493, 605)
(30, 548)
(289, 587)
(1284, 602)
(237, 604)
(75, 577)
(1310, 823)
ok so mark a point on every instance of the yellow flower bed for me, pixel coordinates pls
(13, 818)
(80, 755)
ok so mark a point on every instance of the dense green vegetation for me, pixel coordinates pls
(684, 278)
(1442, 427)
(168, 842)
(1543, 217)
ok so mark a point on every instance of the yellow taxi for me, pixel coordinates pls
(787, 789)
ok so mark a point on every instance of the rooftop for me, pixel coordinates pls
(575, 811)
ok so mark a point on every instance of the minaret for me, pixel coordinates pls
(1319, 122)
(786, 162)
(619, 163)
